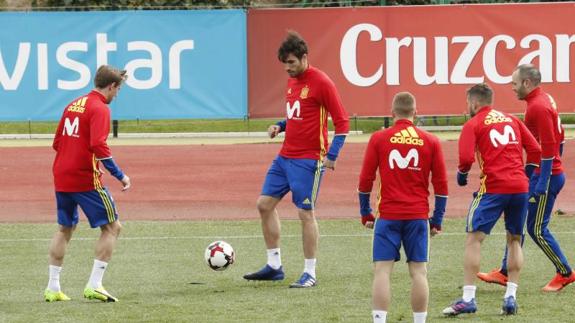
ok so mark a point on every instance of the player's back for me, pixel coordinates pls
(406, 155)
(84, 124)
(499, 146)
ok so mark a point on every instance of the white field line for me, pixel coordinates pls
(245, 237)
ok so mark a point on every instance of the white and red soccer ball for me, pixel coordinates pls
(219, 255)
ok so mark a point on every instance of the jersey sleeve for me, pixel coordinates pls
(529, 143)
(58, 135)
(369, 167)
(332, 102)
(438, 171)
(544, 119)
(99, 130)
(467, 147)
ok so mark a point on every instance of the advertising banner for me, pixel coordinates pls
(181, 64)
(434, 52)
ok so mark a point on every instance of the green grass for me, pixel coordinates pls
(159, 275)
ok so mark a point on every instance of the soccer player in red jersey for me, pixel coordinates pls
(546, 178)
(405, 156)
(498, 139)
(310, 96)
(80, 145)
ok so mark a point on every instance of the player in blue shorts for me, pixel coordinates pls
(498, 140)
(80, 145)
(310, 96)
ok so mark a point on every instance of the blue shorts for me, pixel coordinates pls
(486, 209)
(98, 206)
(300, 176)
(389, 235)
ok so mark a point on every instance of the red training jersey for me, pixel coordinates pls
(498, 140)
(80, 143)
(309, 98)
(404, 155)
(542, 119)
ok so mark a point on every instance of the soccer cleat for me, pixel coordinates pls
(509, 306)
(558, 282)
(306, 280)
(51, 296)
(99, 294)
(494, 277)
(266, 273)
(460, 307)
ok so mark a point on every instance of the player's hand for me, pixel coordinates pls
(540, 188)
(368, 221)
(461, 178)
(328, 163)
(273, 130)
(126, 183)
(434, 229)
(529, 170)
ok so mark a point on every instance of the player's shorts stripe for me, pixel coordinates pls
(316, 180)
(107, 204)
(322, 118)
(475, 204)
(539, 235)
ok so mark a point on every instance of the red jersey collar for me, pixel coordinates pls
(536, 91)
(403, 121)
(99, 95)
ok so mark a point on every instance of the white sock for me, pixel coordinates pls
(511, 290)
(274, 258)
(309, 266)
(97, 273)
(469, 292)
(419, 317)
(54, 280)
(379, 316)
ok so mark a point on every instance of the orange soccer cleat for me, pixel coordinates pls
(558, 282)
(494, 277)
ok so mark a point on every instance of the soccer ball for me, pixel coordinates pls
(219, 255)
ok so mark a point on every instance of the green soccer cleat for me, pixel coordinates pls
(98, 293)
(51, 296)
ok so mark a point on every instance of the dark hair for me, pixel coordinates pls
(293, 44)
(404, 104)
(529, 72)
(107, 75)
(482, 93)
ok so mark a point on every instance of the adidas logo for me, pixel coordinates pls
(306, 201)
(407, 136)
(532, 200)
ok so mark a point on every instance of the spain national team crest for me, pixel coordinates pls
(304, 92)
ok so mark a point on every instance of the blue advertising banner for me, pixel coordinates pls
(181, 64)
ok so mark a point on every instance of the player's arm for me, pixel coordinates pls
(544, 119)
(439, 182)
(332, 101)
(466, 152)
(99, 130)
(276, 129)
(58, 134)
(366, 178)
(531, 147)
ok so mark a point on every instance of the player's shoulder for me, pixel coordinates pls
(319, 75)
(426, 134)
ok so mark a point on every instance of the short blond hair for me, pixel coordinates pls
(403, 105)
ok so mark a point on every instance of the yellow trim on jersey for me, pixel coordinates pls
(539, 235)
(316, 181)
(96, 173)
(322, 120)
(107, 204)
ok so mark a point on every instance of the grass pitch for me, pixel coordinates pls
(159, 275)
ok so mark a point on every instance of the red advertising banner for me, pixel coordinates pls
(434, 52)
